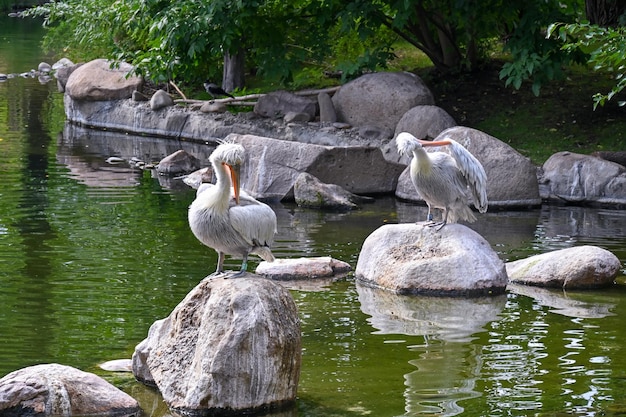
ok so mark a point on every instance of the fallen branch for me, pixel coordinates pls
(241, 100)
(178, 90)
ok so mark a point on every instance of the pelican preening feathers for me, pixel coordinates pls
(228, 220)
(442, 179)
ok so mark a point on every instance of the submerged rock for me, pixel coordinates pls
(418, 259)
(572, 268)
(231, 345)
(59, 390)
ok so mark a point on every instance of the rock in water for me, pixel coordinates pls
(418, 259)
(53, 389)
(579, 267)
(231, 344)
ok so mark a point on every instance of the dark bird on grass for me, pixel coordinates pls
(229, 220)
(215, 90)
(442, 179)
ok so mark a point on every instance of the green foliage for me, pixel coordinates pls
(605, 49)
(536, 58)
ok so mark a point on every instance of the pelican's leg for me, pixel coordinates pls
(244, 268)
(444, 221)
(429, 216)
(220, 264)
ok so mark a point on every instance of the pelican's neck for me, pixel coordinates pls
(421, 161)
(222, 184)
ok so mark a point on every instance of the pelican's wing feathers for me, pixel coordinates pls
(473, 171)
(253, 220)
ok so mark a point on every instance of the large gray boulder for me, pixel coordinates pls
(579, 178)
(279, 103)
(101, 80)
(59, 390)
(422, 122)
(418, 259)
(231, 345)
(572, 268)
(380, 99)
(511, 177)
(274, 165)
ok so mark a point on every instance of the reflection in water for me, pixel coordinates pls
(562, 303)
(447, 364)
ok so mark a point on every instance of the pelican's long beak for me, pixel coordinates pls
(434, 142)
(234, 177)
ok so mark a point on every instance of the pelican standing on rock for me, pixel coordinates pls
(227, 220)
(442, 179)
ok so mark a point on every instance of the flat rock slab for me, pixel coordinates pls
(59, 390)
(303, 268)
(579, 267)
(417, 259)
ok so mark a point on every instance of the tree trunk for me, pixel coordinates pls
(605, 13)
(233, 76)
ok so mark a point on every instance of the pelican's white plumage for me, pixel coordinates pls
(442, 179)
(226, 220)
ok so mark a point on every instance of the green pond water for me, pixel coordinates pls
(91, 254)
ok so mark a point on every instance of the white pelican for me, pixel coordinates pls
(228, 221)
(442, 179)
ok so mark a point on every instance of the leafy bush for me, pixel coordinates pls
(605, 49)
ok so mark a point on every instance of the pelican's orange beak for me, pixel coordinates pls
(234, 178)
(434, 142)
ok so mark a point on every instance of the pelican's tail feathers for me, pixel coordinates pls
(461, 212)
(264, 253)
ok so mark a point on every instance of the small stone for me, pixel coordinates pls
(214, 107)
(118, 365)
(44, 67)
(180, 162)
(327, 109)
(295, 117)
(114, 160)
(160, 99)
